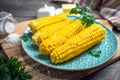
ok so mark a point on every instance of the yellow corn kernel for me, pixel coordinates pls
(78, 44)
(53, 29)
(47, 31)
(41, 22)
(48, 45)
(35, 38)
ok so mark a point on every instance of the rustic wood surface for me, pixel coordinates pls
(23, 10)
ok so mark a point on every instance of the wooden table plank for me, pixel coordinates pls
(117, 76)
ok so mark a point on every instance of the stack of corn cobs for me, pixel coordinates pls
(64, 39)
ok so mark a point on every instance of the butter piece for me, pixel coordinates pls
(67, 7)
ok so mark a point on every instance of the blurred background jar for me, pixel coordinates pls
(6, 23)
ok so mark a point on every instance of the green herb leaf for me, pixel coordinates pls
(87, 9)
(24, 37)
(85, 14)
(95, 53)
(87, 20)
(29, 34)
(11, 69)
(79, 6)
(34, 47)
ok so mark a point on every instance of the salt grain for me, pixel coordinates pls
(12, 38)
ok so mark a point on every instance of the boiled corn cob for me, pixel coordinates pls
(78, 44)
(41, 22)
(48, 45)
(53, 29)
(45, 32)
(35, 38)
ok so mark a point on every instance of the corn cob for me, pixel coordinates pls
(35, 38)
(49, 30)
(48, 45)
(78, 44)
(41, 22)
(54, 29)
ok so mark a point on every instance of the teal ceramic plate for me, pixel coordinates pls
(85, 61)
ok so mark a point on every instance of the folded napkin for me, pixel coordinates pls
(109, 9)
(113, 15)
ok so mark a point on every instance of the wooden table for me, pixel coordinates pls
(25, 10)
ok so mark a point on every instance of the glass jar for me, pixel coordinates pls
(6, 23)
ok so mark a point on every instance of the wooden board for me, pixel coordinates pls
(41, 72)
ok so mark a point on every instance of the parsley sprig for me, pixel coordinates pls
(84, 14)
(26, 36)
(11, 69)
(95, 53)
